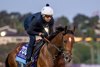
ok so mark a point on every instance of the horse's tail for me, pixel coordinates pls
(6, 62)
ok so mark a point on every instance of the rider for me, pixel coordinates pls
(37, 27)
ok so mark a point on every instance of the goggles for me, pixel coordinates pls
(47, 16)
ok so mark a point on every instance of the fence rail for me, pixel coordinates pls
(18, 39)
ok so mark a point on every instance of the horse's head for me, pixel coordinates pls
(65, 39)
(57, 49)
(68, 40)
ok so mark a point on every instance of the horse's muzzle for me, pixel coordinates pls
(67, 57)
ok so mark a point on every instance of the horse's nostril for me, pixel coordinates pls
(66, 57)
(69, 60)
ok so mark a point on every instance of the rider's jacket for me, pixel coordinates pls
(38, 24)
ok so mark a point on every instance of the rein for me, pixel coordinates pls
(58, 49)
(52, 44)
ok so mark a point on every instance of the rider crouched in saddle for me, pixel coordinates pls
(37, 27)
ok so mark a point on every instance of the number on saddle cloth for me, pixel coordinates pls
(21, 56)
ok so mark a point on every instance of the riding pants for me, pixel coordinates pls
(30, 48)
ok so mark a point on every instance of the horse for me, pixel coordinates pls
(54, 53)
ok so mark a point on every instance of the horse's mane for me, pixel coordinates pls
(70, 32)
(58, 30)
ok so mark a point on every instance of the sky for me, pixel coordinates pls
(68, 8)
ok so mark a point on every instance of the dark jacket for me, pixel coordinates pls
(37, 25)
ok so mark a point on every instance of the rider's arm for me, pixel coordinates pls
(31, 28)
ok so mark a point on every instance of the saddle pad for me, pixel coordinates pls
(21, 56)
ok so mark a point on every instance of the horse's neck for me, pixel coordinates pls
(55, 42)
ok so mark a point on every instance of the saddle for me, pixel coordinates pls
(21, 56)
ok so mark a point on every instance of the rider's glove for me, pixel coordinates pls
(44, 35)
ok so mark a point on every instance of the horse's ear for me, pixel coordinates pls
(66, 28)
(73, 28)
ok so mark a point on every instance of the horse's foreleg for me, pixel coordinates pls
(44, 59)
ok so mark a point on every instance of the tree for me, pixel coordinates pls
(85, 25)
(62, 21)
(80, 21)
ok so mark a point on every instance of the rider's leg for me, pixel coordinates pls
(30, 48)
(37, 49)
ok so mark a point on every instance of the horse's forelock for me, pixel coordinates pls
(60, 28)
(69, 32)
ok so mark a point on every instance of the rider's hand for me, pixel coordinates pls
(40, 34)
(43, 35)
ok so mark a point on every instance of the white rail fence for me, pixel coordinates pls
(13, 39)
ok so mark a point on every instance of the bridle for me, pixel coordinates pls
(60, 51)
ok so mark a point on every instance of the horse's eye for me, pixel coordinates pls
(65, 41)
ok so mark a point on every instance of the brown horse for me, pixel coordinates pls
(55, 53)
